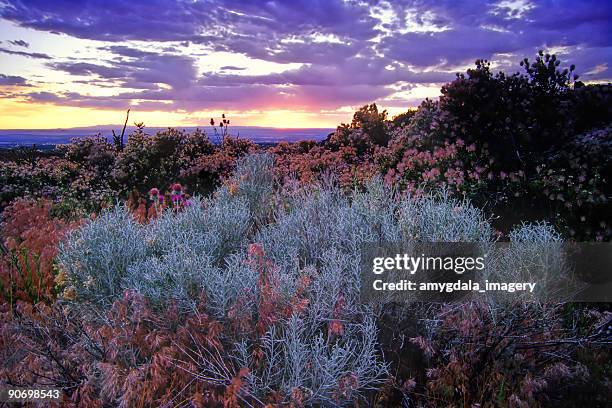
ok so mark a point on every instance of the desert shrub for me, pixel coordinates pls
(313, 372)
(317, 220)
(200, 250)
(43, 178)
(74, 187)
(534, 253)
(165, 258)
(535, 233)
(319, 238)
(128, 356)
(324, 229)
(437, 217)
(377, 205)
(536, 248)
(95, 258)
(94, 152)
(254, 179)
(193, 251)
(493, 353)
(198, 237)
(154, 160)
(477, 353)
(206, 172)
(312, 348)
(307, 162)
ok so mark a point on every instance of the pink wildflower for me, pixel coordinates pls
(177, 193)
(256, 250)
(154, 194)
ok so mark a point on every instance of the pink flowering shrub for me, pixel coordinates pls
(44, 177)
(307, 161)
(455, 166)
(76, 176)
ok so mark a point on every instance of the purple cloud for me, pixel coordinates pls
(36, 55)
(185, 20)
(87, 69)
(476, 30)
(137, 69)
(10, 80)
(44, 97)
(231, 68)
(350, 72)
(20, 43)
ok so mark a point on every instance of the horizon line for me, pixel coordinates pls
(171, 127)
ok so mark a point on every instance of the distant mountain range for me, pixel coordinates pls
(29, 137)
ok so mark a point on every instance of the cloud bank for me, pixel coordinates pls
(329, 54)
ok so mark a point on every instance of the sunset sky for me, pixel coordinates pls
(294, 63)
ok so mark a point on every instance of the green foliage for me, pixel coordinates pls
(94, 152)
(372, 122)
(156, 160)
(23, 277)
(520, 116)
(403, 119)
(367, 129)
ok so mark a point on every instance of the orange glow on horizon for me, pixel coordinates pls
(22, 115)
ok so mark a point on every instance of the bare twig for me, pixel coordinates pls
(118, 140)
